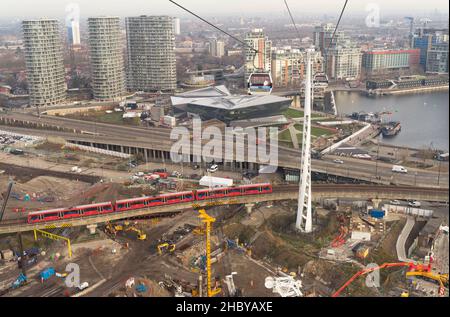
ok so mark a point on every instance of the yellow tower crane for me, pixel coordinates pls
(208, 220)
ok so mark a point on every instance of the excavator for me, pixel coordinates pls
(113, 229)
(140, 235)
(166, 247)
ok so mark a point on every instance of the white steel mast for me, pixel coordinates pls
(304, 212)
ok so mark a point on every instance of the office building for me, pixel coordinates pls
(437, 58)
(44, 62)
(106, 57)
(424, 39)
(151, 64)
(384, 61)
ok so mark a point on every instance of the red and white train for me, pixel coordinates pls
(146, 202)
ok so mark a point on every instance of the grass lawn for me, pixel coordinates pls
(316, 132)
(294, 113)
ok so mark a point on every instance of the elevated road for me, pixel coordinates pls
(279, 193)
(155, 145)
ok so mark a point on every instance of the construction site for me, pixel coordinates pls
(218, 249)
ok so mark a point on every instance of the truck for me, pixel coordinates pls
(215, 182)
(399, 169)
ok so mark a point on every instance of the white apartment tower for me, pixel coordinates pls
(260, 60)
(44, 62)
(217, 48)
(73, 32)
(176, 26)
(151, 53)
(106, 57)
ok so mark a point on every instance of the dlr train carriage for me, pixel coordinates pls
(146, 202)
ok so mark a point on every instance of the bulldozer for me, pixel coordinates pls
(165, 247)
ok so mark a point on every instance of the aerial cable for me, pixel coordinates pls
(216, 27)
(337, 24)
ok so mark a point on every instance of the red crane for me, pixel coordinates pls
(411, 266)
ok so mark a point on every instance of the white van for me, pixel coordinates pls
(399, 169)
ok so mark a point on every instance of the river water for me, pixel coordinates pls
(424, 117)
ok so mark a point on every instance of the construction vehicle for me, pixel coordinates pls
(165, 247)
(20, 281)
(414, 270)
(208, 220)
(140, 235)
(113, 229)
(442, 279)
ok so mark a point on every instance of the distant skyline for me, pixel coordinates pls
(57, 8)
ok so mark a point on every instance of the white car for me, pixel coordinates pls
(83, 286)
(395, 202)
(213, 168)
(338, 161)
(414, 204)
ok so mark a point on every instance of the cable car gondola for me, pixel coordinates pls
(259, 84)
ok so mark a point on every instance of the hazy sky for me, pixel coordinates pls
(57, 8)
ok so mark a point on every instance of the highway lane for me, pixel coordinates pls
(159, 139)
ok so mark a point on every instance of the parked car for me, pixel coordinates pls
(176, 174)
(395, 202)
(213, 168)
(338, 161)
(160, 170)
(83, 286)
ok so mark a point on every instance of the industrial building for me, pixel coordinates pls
(108, 74)
(217, 103)
(260, 61)
(151, 59)
(44, 62)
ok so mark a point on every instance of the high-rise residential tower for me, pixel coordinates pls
(106, 55)
(44, 62)
(217, 48)
(151, 53)
(261, 60)
(73, 32)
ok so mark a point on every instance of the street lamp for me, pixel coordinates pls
(439, 173)
(376, 161)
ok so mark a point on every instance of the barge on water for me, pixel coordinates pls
(391, 129)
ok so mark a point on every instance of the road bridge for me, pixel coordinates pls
(279, 193)
(154, 144)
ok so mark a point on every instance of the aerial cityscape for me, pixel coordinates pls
(191, 148)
